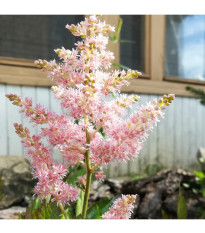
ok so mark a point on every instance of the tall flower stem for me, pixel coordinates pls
(88, 176)
(63, 210)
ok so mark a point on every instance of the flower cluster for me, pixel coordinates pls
(50, 175)
(93, 131)
(121, 208)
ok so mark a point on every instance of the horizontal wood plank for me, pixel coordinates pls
(17, 62)
(160, 87)
(23, 76)
(184, 80)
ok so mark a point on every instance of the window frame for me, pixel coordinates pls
(153, 81)
(158, 83)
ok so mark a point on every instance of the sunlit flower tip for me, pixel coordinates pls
(93, 18)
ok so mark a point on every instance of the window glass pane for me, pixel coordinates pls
(35, 36)
(185, 46)
(132, 51)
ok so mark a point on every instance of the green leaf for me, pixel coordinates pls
(98, 215)
(201, 175)
(20, 216)
(79, 204)
(119, 66)
(181, 206)
(198, 92)
(1, 184)
(55, 213)
(202, 213)
(75, 174)
(186, 185)
(68, 212)
(203, 192)
(195, 191)
(115, 37)
(42, 210)
(36, 203)
(201, 160)
(97, 210)
(77, 121)
(102, 132)
(29, 212)
(164, 215)
(1, 195)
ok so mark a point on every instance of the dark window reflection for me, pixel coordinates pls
(35, 36)
(132, 53)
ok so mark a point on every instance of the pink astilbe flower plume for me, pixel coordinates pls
(122, 208)
(94, 130)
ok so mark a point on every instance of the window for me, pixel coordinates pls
(132, 52)
(185, 46)
(35, 36)
(168, 50)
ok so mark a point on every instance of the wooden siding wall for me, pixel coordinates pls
(173, 143)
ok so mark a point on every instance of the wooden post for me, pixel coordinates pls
(157, 35)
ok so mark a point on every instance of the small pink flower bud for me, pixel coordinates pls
(21, 134)
(21, 127)
(172, 96)
(16, 125)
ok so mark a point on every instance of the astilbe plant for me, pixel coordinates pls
(82, 84)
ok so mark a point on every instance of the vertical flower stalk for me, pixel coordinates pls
(88, 171)
(88, 176)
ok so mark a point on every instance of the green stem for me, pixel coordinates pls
(63, 210)
(88, 176)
